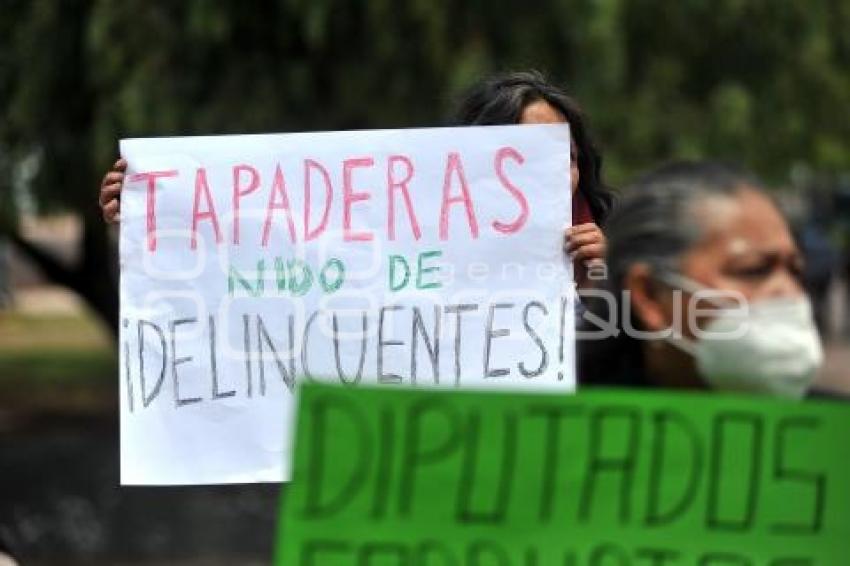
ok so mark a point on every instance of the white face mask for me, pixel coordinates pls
(776, 349)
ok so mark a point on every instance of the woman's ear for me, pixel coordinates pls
(649, 305)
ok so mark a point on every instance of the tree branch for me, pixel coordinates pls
(52, 267)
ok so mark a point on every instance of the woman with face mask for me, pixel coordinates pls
(703, 290)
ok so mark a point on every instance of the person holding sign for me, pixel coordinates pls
(704, 291)
(512, 98)
(528, 98)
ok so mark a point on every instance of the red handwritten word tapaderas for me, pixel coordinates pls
(399, 172)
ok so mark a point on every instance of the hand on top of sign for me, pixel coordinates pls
(110, 192)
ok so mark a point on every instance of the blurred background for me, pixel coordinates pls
(765, 83)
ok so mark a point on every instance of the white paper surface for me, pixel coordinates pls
(207, 371)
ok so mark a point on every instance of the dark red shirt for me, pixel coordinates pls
(581, 209)
(581, 215)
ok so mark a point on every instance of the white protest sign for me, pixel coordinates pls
(249, 263)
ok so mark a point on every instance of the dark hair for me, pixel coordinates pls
(501, 99)
(654, 224)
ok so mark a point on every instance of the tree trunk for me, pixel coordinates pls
(95, 276)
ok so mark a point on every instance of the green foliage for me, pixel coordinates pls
(765, 82)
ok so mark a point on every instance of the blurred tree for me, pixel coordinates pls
(49, 100)
(764, 82)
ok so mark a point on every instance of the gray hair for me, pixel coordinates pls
(656, 222)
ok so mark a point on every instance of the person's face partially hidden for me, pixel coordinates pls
(541, 112)
(745, 249)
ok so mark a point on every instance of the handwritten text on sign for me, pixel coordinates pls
(430, 257)
(616, 478)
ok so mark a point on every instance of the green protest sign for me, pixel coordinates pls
(602, 478)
